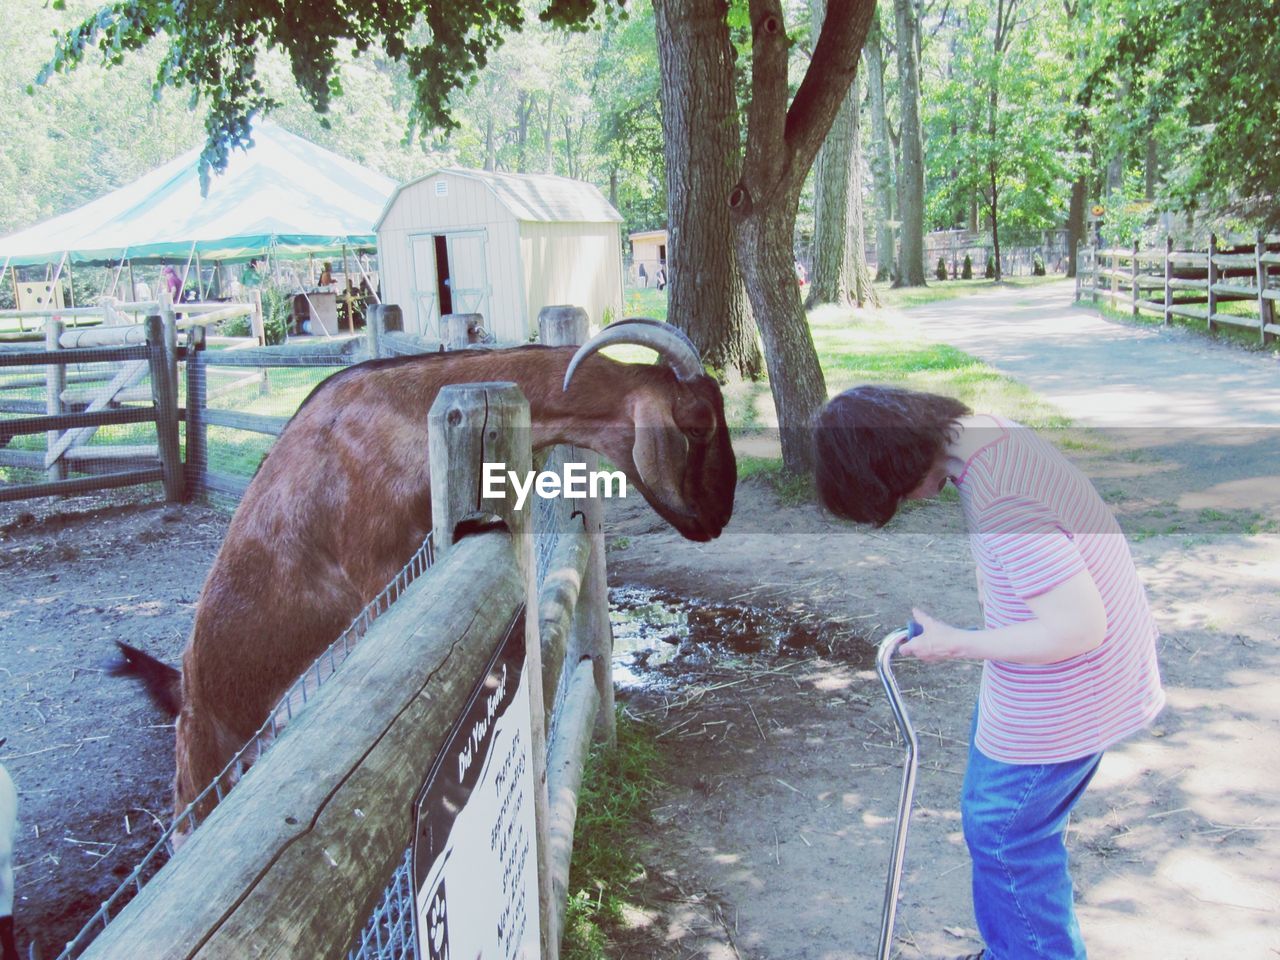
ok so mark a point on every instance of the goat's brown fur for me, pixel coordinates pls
(343, 500)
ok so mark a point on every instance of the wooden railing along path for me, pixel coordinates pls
(1189, 283)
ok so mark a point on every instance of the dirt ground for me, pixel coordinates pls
(771, 840)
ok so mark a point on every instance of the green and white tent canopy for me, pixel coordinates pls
(284, 197)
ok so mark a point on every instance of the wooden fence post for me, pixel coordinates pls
(257, 322)
(1078, 245)
(197, 465)
(1213, 279)
(1093, 261)
(165, 394)
(381, 318)
(1113, 270)
(469, 425)
(1266, 306)
(460, 329)
(1168, 279)
(1134, 294)
(593, 633)
(56, 380)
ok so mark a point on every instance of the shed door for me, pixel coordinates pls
(426, 290)
(468, 276)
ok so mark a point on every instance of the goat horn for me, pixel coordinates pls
(670, 342)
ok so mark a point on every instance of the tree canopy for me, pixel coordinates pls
(213, 50)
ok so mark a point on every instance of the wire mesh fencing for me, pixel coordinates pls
(237, 403)
(78, 420)
(389, 932)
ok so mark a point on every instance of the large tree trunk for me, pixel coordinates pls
(855, 251)
(911, 169)
(700, 131)
(490, 145)
(1076, 223)
(781, 146)
(881, 150)
(831, 280)
(524, 107)
(995, 222)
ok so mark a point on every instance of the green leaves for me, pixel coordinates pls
(213, 49)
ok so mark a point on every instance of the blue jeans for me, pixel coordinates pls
(1015, 817)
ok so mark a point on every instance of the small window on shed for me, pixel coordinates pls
(442, 188)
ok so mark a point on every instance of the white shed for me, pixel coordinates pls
(503, 245)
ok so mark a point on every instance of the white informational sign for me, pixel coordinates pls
(474, 855)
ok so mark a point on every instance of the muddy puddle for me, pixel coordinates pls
(660, 638)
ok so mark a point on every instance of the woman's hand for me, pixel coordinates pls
(937, 640)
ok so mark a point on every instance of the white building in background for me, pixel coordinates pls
(502, 245)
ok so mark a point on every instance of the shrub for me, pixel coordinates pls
(941, 271)
(991, 267)
(277, 309)
(966, 272)
(1037, 266)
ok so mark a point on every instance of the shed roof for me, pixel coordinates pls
(531, 197)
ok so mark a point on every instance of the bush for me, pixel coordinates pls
(991, 267)
(276, 313)
(966, 272)
(1037, 266)
(941, 271)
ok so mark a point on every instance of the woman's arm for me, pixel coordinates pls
(1069, 620)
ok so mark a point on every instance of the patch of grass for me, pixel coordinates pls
(939, 290)
(1241, 337)
(644, 302)
(792, 490)
(872, 347)
(617, 789)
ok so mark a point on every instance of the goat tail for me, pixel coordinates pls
(162, 682)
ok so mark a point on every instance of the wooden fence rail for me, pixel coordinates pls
(294, 859)
(71, 416)
(1184, 280)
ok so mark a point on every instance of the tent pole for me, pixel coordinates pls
(71, 288)
(199, 278)
(13, 279)
(187, 269)
(133, 287)
(373, 292)
(346, 290)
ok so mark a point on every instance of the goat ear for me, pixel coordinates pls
(659, 450)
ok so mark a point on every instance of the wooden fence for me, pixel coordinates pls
(73, 414)
(297, 856)
(99, 367)
(1189, 283)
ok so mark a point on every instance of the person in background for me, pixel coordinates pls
(660, 278)
(1068, 640)
(173, 282)
(326, 275)
(251, 276)
(644, 275)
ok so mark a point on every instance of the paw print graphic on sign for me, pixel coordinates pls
(437, 926)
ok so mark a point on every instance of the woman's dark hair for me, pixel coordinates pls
(874, 445)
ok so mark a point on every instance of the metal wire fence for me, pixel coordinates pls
(258, 392)
(76, 420)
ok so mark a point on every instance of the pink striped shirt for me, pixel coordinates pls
(1034, 522)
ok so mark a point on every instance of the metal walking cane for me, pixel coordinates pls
(888, 647)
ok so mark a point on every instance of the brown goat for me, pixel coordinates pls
(344, 499)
